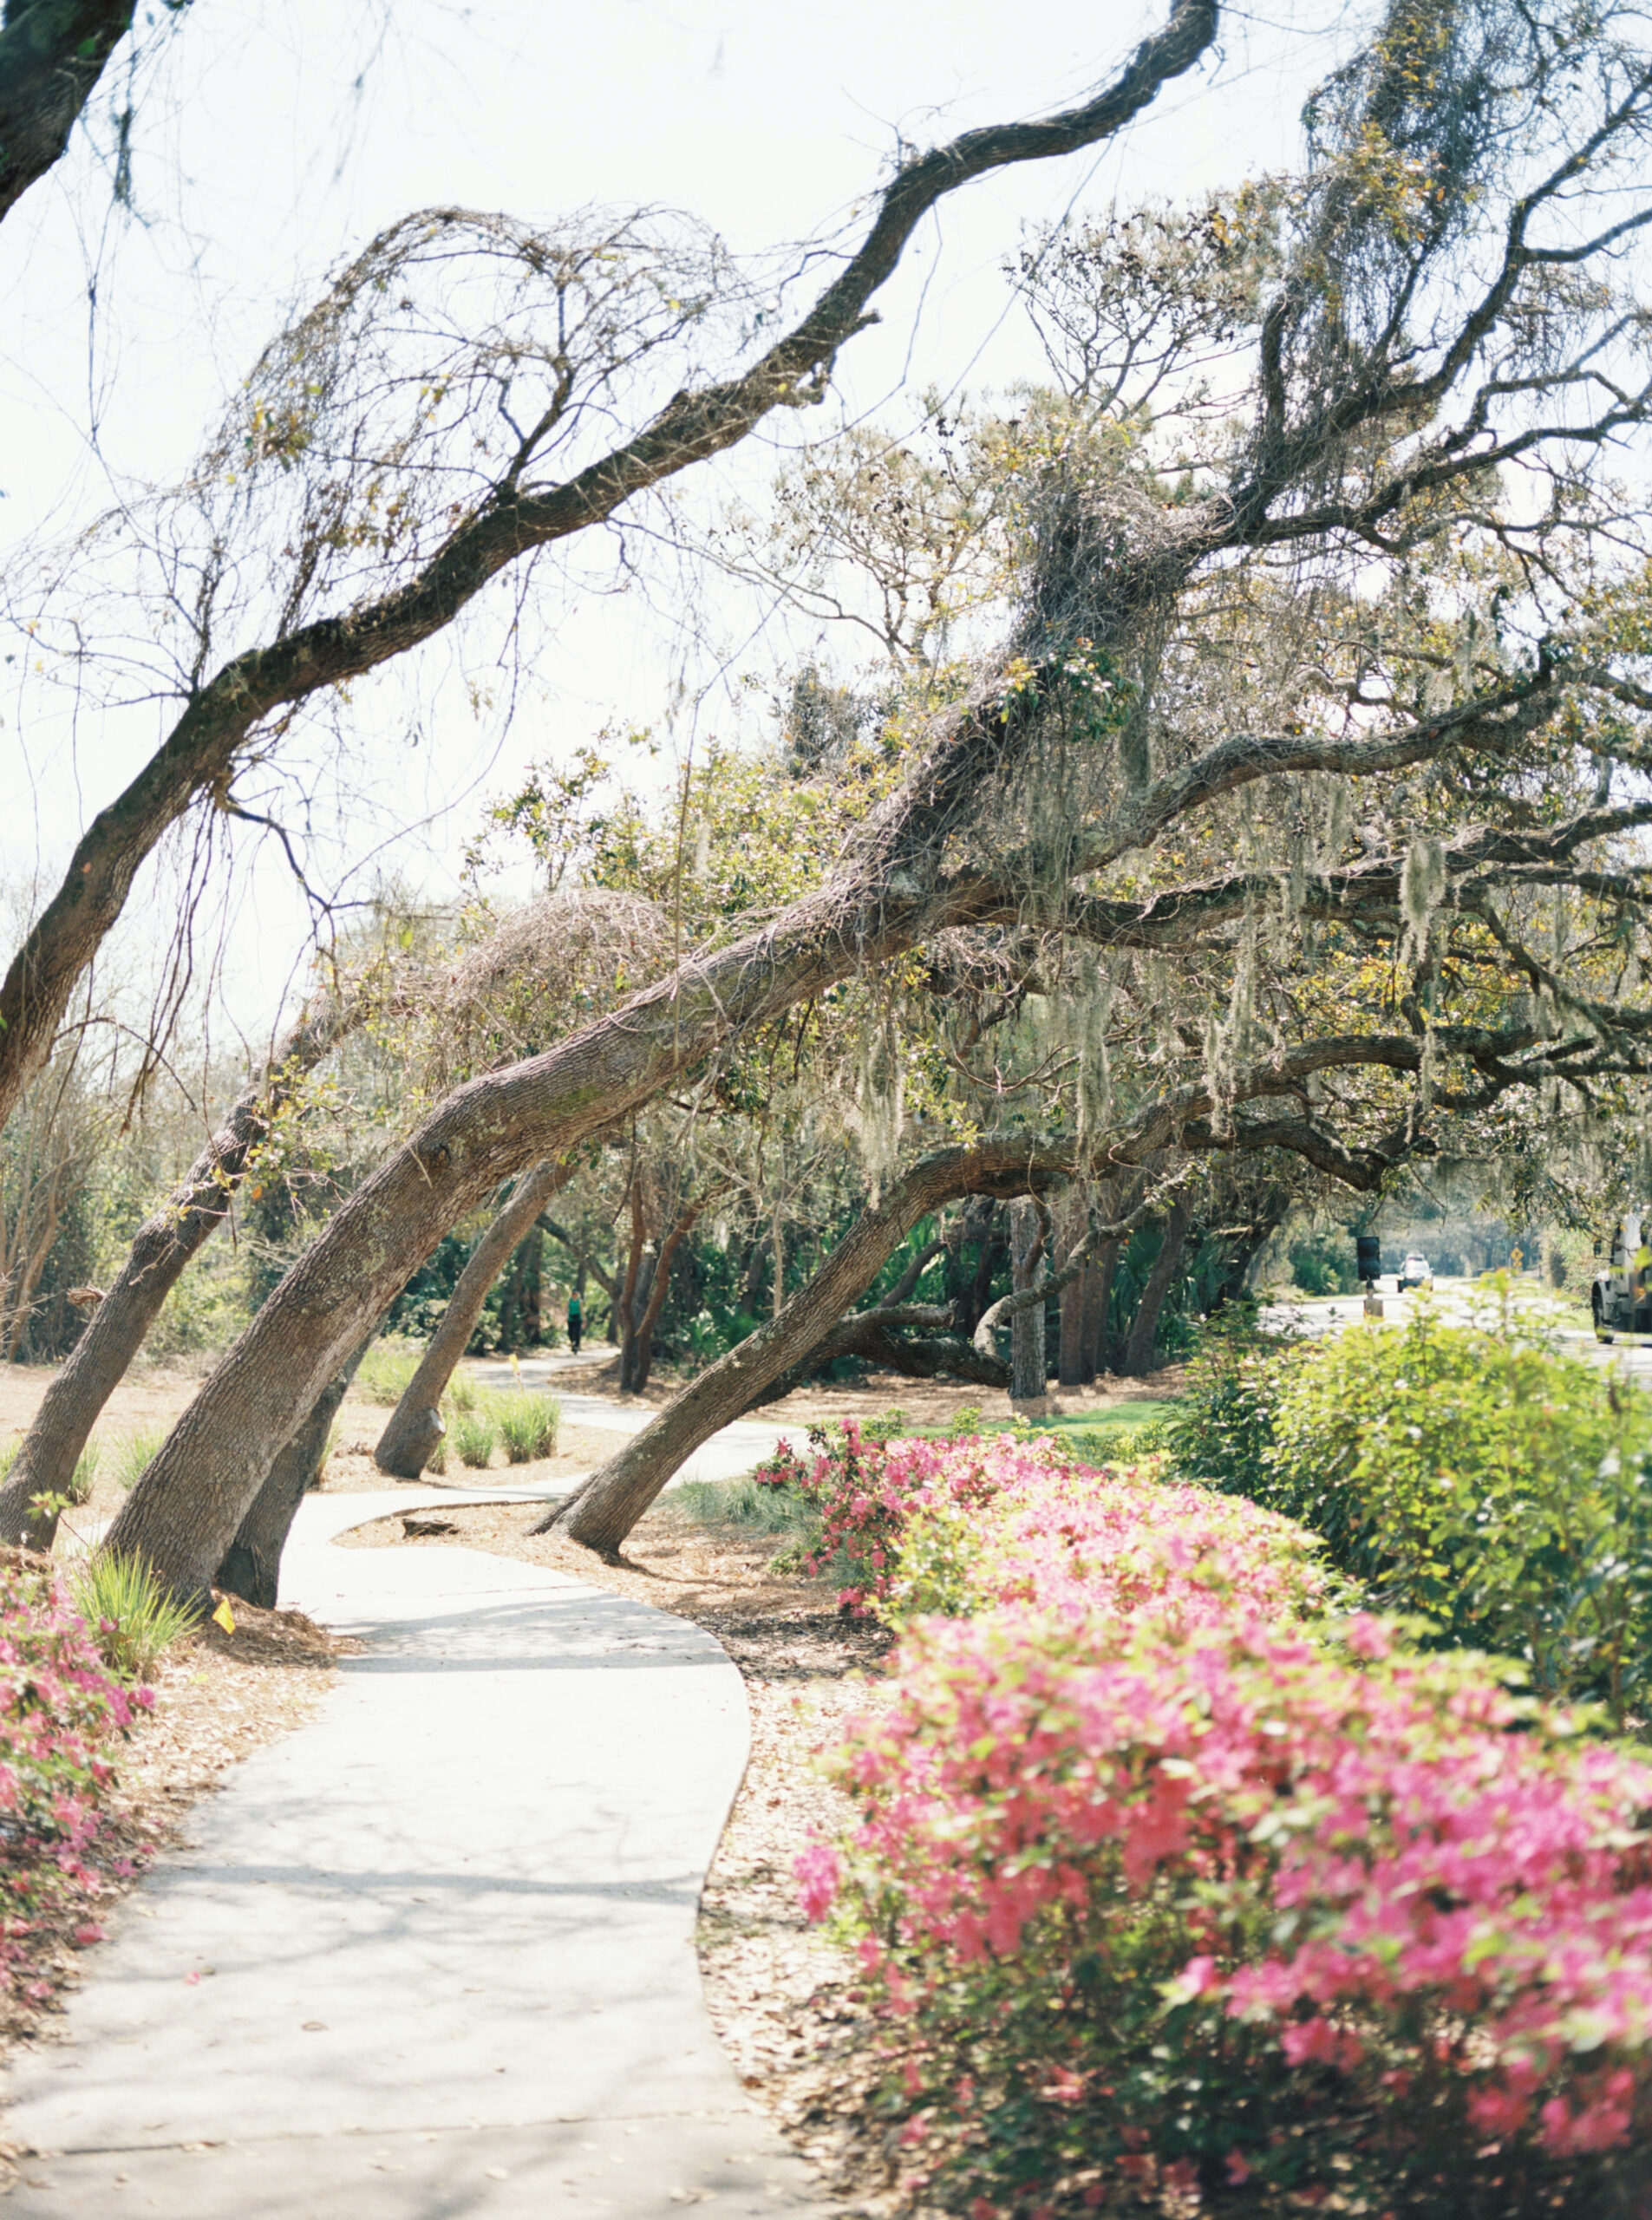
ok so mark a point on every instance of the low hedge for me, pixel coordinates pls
(1175, 1888)
(1481, 1479)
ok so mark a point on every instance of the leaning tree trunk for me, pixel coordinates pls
(252, 1566)
(1144, 1329)
(409, 1438)
(165, 1244)
(184, 1513)
(1029, 1379)
(602, 1512)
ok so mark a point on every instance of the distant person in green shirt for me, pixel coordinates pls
(576, 1322)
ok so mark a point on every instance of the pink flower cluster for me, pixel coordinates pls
(59, 1710)
(1402, 1876)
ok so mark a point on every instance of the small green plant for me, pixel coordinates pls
(888, 1428)
(325, 1459)
(9, 1455)
(965, 1422)
(386, 1372)
(748, 1505)
(83, 1479)
(462, 1393)
(128, 1613)
(528, 1424)
(134, 1453)
(474, 1436)
(436, 1462)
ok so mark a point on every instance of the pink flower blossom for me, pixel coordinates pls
(817, 1873)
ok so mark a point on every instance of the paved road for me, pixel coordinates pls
(726, 1455)
(432, 1957)
(1462, 1302)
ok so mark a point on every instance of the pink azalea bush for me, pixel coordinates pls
(1170, 1883)
(60, 1709)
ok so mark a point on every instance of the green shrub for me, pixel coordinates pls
(128, 1613)
(134, 1453)
(1477, 1477)
(9, 1455)
(474, 1436)
(386, 1372)
(462, 1391)
(1221, 1427)
(748, 1505)
(1324, 1263)
(528, 1425)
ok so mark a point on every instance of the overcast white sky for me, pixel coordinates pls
(273, 140)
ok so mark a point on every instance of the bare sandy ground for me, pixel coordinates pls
(150, 1401)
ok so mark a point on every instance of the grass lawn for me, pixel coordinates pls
(1095, 1433)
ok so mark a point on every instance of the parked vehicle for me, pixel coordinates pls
(1622, 1296)
(1415, 1271)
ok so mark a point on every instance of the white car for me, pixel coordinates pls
(1416, 1271)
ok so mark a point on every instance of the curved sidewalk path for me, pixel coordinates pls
(432, 1956)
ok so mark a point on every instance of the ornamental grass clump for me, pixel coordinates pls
(1177, 1887)
(133, 1619)
(474, 1436)
(527, 1426)
(61, 1711)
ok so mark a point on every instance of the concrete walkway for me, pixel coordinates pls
(432, 1956)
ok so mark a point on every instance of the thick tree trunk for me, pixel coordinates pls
(1070, 1369)
(604, 1511)
(1029, 1379)
(507, 522)
(939, 1357)
(1098, 1302)
(414, 1427)
(1144, 1328)
(51, 54)
(1069, 1350)
(165, 1244)
(252, 1566)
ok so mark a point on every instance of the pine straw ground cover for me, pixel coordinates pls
(96, 1778)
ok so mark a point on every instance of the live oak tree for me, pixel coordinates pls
(52, 55)
(1398, 872)
(443, 414)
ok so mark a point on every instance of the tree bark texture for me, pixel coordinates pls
(515, 517)
(1143, 1327)
(415, 1426)
(1098, 1303)
(252, 1566)
(52, 53)
(1028, 1377)
(165, 1245)
(1069, 1366)
(602, 1512)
